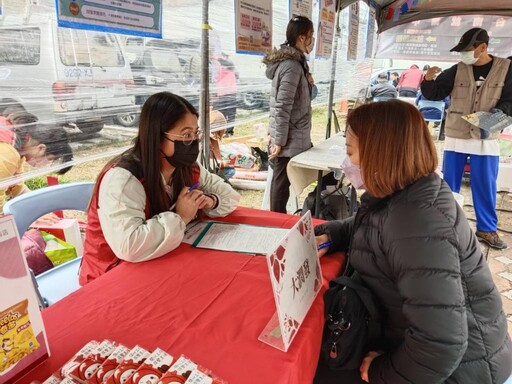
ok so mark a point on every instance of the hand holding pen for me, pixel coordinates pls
(189, 189)
(189, 201)
(323, 243)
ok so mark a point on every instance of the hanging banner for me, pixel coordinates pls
(353, 32)
(370, 32)
(130, 17)
(432, 39)
(325, 31)
(253, 26)
(301, 8)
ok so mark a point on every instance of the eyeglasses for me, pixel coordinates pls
(187, 139)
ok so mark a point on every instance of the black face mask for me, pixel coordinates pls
(184, 155)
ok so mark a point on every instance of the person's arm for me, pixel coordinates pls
(505, 102)
(122, 201)
(441, 86)
(11, 165)
(338, 232)
(289, 78)
(226, 198)
(426, 271)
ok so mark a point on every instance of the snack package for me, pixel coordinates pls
(23, 344)
(80, 356)
(152, 369)
(68, 380)
(17, 337)
(198, 377)
(53, 379)
(128, 366)
(88, 367)
(109, 365)
(179, 372)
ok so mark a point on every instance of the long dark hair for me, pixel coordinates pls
(55, 138)
(159, 114)
(297, 26)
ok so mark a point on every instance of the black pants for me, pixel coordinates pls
(408, 92)
(280, 188)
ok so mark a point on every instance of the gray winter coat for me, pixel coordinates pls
(444, 320)
(290, 101)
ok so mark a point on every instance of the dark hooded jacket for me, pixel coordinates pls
(290, 100)
(444, 321)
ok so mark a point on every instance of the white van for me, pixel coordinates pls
(64, 75)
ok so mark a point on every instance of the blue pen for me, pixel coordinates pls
(324, 245)
(191, 188)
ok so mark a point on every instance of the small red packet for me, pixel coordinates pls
(88, 367)
(128, 366)
(80, 356)
(108, 367)
(179, 372)
(53, 379)
(152, 369)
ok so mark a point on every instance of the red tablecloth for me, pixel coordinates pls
(209, 305)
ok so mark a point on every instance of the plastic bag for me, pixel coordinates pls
(57, 250)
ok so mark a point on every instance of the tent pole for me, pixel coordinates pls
(204, 100)
(333, 74)
(318, 196)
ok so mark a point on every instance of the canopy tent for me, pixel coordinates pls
(391, 13)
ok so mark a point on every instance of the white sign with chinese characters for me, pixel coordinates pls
(301, 8)
(253, 26)
(296, 280)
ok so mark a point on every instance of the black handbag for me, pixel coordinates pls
(352, 323)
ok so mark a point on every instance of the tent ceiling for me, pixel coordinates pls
(390, 12)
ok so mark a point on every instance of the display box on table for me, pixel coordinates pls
(22, 335)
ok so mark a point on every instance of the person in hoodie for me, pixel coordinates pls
(290, 105)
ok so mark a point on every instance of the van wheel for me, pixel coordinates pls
(89, 127)
(128, 119)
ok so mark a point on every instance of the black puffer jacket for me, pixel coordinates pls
(444, 316)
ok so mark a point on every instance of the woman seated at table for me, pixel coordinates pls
(411, 244)
(145, 197)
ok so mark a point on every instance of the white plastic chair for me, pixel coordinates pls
(60, 281)
(439, 105)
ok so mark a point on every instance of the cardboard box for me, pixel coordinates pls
(67, 230)
(22, 334)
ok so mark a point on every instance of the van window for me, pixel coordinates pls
(20, 46)
(95, 49)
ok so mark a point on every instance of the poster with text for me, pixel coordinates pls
(353, 32)
(432, 39)
(370, 32)
(325, 31)
(131, 17)
(253, 22)
(301, 8)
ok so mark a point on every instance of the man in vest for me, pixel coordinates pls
(480, 82)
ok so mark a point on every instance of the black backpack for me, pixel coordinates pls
(352, 323)
(337, 204)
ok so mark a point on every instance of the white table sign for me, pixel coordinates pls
(296, 280)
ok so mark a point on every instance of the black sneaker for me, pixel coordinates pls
(491, 239)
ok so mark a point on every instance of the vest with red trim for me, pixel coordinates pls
(98, 257)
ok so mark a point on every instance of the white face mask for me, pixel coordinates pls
(353, 173)
(468, 57)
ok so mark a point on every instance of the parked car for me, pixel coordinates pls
(63, 75)
(159, 65)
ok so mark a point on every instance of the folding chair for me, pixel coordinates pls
(60, 281)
